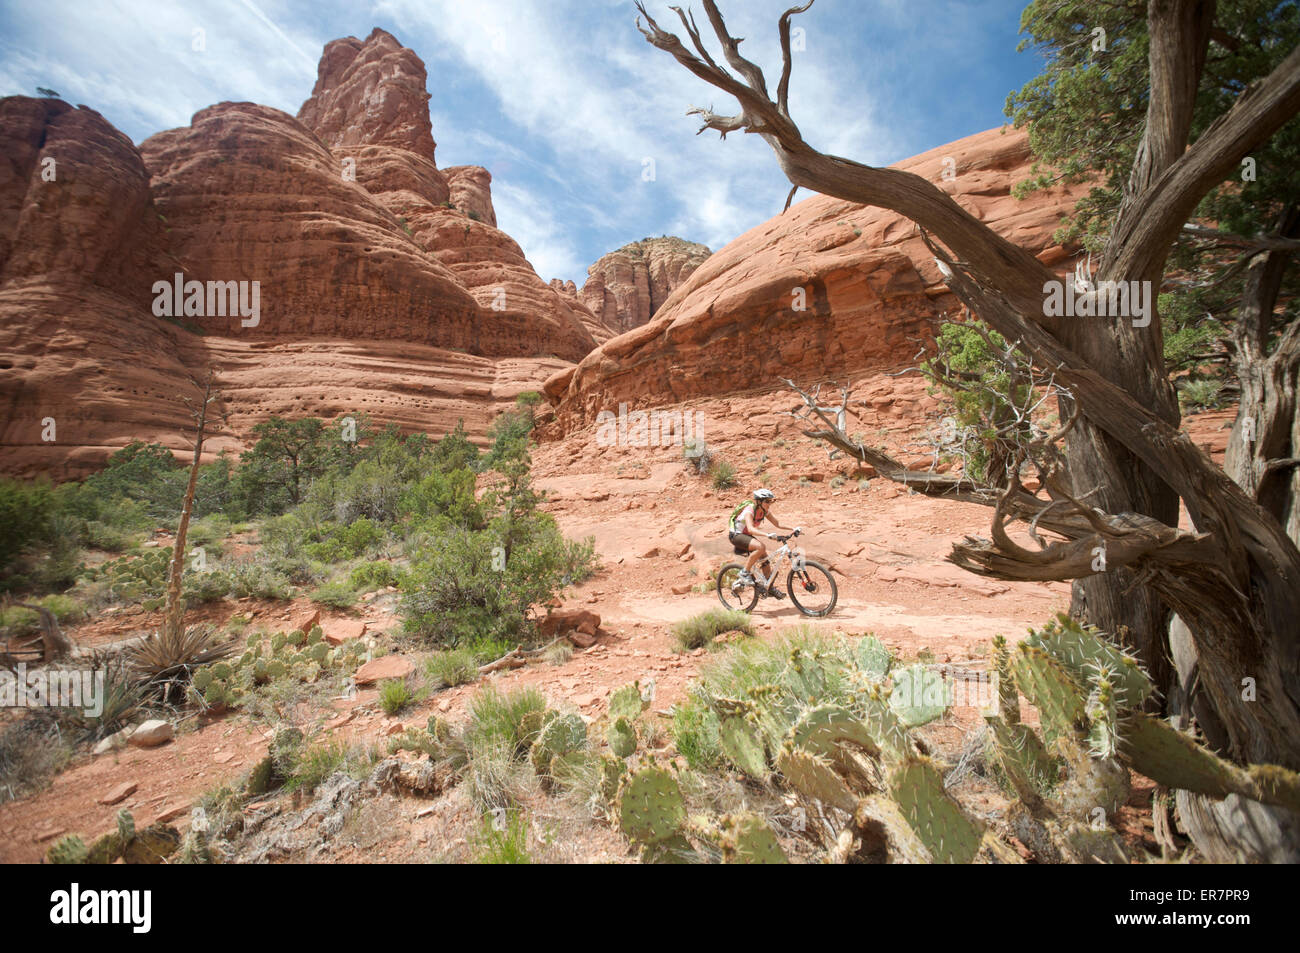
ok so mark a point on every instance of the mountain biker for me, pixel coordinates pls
(742, 529)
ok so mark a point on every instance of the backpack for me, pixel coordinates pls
(731, 522)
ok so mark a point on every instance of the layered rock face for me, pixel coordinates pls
(625, 288)
(827, 288)
(82, 359)
(383, 284)
(365, 107)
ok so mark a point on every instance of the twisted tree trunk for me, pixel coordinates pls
(1235, 580)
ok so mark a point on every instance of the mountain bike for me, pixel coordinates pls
(809, 584)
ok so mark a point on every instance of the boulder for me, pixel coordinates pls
(153, 733)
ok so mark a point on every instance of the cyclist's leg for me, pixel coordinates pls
(757, 551)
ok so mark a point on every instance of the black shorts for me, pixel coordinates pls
(741, 542)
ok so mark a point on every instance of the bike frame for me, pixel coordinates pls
(778, 560)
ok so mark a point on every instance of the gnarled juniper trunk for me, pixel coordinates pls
(1235, 579)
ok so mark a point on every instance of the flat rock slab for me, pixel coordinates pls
(389, 666)
(120, 793)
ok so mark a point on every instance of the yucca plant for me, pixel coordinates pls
(163, 663)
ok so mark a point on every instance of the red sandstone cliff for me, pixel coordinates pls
(625, 288)
(384, 285)
(871, 294)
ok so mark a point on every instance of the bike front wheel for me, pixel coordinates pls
(812, 589)
(732, 593)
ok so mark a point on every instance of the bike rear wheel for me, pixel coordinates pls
(812, 589)
(732, 593)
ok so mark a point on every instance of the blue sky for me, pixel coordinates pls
(563, 100)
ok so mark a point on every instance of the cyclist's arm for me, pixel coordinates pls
(771, 518)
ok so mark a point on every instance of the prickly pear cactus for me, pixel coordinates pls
(563, 735)
(813, 776)
(873, 656)
(1015, 749)
(1049, 687)
(627, 702)
(919, 695)
(1008, 699)
(1084, 651)
(69, 850)
(818, 730)
(742, 746)
(652, 814)
(746, 839)
(622, 738)
(612, 771)
(947, 833)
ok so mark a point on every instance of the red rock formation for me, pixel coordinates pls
(82, 359)
(369, 94)
(471, 191)
(375, 295)
(625, 288)
(447, 213)
(871, 294)
(250, 195)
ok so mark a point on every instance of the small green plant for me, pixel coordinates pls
(559, 653)
(396, 695)
(311, 765)
(1201, 394)
(452, 667)
(503, 839)
(512, 719)
(724, 475)
(337, 595)
(700, 630)
(698, 456)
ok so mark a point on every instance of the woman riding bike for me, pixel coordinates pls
(742, 529)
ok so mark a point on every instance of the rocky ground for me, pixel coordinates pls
(659, 530)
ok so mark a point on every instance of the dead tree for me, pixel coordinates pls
(54, 644)
(1235, 579)
(173, 623)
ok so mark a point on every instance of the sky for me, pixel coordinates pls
(582, 123)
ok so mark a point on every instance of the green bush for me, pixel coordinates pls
(724, 475)
(395, 695)
(256, 579)
(497, 719)
(25, 512)
(338, 595)
(453, 667)
(370, 576)
(700, 630)
(1201, 394)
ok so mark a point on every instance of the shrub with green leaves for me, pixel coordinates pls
(336, 594)
(373, 575)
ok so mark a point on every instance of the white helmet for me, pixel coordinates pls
(764, 494)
